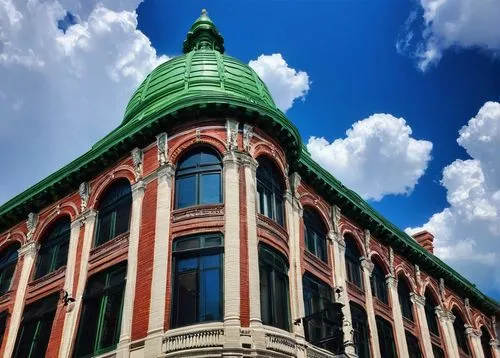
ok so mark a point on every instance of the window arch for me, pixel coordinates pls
(353, 264)
(198, 178)
(379, 288)
(8, 261)
(485, 342)
(270, 190)
(198, 279)
(430, 313)
(404, 298)
(53, 252)
(315, 234)
(361, 330)
(114, 212)
(459, 328)
(274, 293)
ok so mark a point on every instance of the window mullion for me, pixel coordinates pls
(102, 310)
(34, 338)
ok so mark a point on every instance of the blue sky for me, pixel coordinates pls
(67, 87)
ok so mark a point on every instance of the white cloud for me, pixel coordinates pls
(467, 233)
(285, 83)
(460, 23)
(61, 92)
(378, 156)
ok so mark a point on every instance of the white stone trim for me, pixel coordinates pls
(423, 326)
(367, 267)
(397, 316)
(446, 319)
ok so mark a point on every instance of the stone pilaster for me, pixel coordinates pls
(339, 277)
(419, 304)
(152, 346)
(231, 250)
(138, 190)
(446, 319)
(367, 267)
(397, 316)
(495, 348)
(28, 254)
(474, 337)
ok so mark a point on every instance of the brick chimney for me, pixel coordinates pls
(425, 239)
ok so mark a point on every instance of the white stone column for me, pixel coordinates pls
(474, 337)
(495, 348)
(367, 267)
(153, 344)
(399, 329)
(419, 304)
(138, 190)
(446, 319)
(28, 253)
(231, 250)
(339, 274)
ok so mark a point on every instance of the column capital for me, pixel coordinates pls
(367, 264)
(417, 299)
(138, 188)
(391, 281)
(444, 315)
(29, 249)
(494, 343)
(166, 172)
(336, 237)
(471, 332)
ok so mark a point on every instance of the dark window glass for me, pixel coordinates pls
(404, 298)
(361, 333)
(379, 288)
(198, 286)
(413, 346)
(8, 261)
(430, 314)
(53, 251)
(459, 328)
(3, 325)
(385, 338)
(100, 322)
(274, 293)
(315, 234)
(485, 343)
(36, 325)
(353, 265)
(114, 212)
(270, 191)
(198, 179)
(438, 352)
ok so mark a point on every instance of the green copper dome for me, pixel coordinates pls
(202, 74)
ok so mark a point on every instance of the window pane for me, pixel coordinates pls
(209, 158)
(87, 328)
(210, 294)
(413, 346)
(111, 317)
(6, 278)
(122, 218)
(210, 189)
(187, 293)
(187, 244)
(43, 263)
(438, 352)
(62, 255)
(3, 324)
(264, 295)
(279, 210)
(104, 228)
(281, 301)
(186, 191)
(43, 336)
(26, 333)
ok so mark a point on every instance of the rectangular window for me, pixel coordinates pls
(100, 322)
(36, 325)
(413, 346)
(385, 338)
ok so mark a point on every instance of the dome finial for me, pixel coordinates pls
(203, 35)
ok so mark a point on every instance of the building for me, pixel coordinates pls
(202, 227)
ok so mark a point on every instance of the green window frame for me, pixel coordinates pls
(413, 346)
(35, 329)
(404, 298)
(459, 328)
(53, 252)
(270, 191)
(430, 314)
(274, 288)
(198, 178)
(386, 338)
(198, 273)
(315, 234)
(353, 263)
(8, 262)
(101, 314)
(114, 212)
(379, 288)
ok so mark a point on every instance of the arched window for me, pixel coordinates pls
(53, 251)
(353, 264)
(485, 342)
(198, 178)
(100, 321)
(385, 338)
(270, 190)
(34, 332)
(379, 288)
(404, 298)
(315, 234)
(459, 328)
(198, 279)
(361, 333)
(413, 346)
(114, 212)
(430, 313)
(274, 297)
(8, 261)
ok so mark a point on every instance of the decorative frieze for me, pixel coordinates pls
(280, 343)
(202, 338)
(198, 213)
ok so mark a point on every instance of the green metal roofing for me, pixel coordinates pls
(205, 83)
